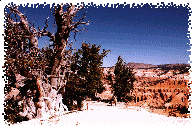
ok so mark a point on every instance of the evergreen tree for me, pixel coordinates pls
(124, 78)
(89, 64)
(86, 77)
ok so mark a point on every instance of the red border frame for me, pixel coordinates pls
(97, 3)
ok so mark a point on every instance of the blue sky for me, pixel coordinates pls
(140, 34)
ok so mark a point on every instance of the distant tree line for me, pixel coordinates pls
(181, 68)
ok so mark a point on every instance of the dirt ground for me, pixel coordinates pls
(102, 114)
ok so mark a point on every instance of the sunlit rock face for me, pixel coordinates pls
(159, 89)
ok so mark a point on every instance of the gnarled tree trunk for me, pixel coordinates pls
(48, 99)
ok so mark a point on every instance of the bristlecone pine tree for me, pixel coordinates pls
(123, 83)
(87, 77)
(36, 77)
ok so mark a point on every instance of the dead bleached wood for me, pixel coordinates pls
(48, 98)
(24, 22)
